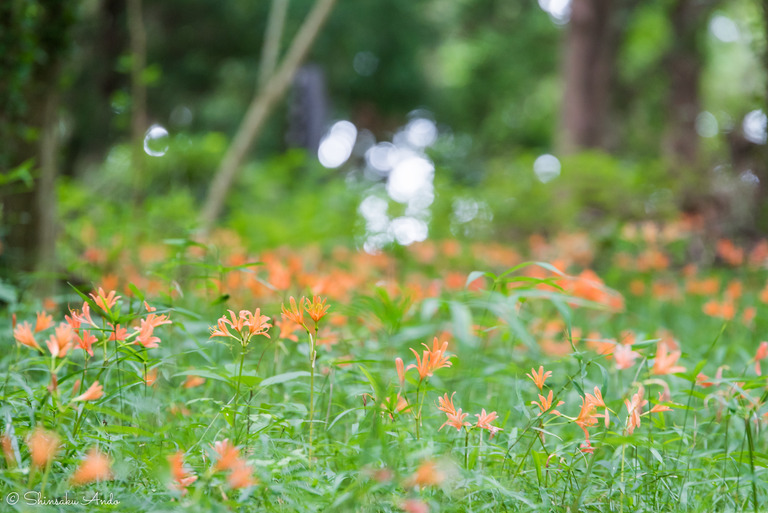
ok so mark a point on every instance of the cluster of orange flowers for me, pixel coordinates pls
(456, 417)
(240, 474)
(43, 446)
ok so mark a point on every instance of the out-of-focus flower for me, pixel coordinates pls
(182, 477)
(95, 467)
(43, 445)
(193, 381)
(634, 409)
(95, 391)
(428, 474)
(665, 361)
(22, 333)
(43, 322)
(624, 356)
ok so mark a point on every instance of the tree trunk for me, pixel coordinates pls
(594, 33)
(684, 64)
(138, 38)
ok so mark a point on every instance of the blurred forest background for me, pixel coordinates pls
(374, 123)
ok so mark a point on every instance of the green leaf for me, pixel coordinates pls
(282, 378)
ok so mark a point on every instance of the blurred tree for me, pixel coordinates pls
(595, 34)
(684, 64)
(34, 39)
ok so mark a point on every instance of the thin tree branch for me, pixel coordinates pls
(272, 38)
(258, 111)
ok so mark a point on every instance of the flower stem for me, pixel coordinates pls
(311, 392)
(237, 392)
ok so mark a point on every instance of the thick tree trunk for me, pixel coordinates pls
(138, 38)
(684, 64)
(589, 71)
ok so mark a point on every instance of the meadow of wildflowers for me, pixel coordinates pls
(564, 374)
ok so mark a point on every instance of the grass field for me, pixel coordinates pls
(565, 374)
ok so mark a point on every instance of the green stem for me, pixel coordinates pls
(237, 392)
(751, 445)
(466, 448)
(311, 392)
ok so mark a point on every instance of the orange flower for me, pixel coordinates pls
(119, 334)
(484, 422)
(95, 391)
(182, 478)
(85, 341)
(316, 308)
(105, 301)
(241, 477)
(23, 335)
(400, 371)
(546, 403)
(657, 408)
(428, 474)
(61, 341)
(296, 313)
(665, 361)
(256, 323)
(44, 321)
(455, 417)
(761, 354)
(193, 381)
(287, 329)
(539, 378)
(42, 447)
(228, 455)
(146, 335)
(150, 377)
(414, 506)
(95, 467)
(431, 360)
(624, 356)
(634, 409)
(7, 445)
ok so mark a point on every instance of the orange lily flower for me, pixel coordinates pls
(761, 354)
(105, 301)
(400, 371)
(657, 408)
(296, 313)
(182, 478)
(428, 474)
(43, 322)
(539, 378)
(624, 356)
(229, 455)
(61, 341)
(23, 335)
(95, 391)
(484, 422)
(316, 308)
(634, 408)
(431, 360)
(665, 361)
(43, 445)
(95, 467)
(455, 417)
(241, 477)
(546, 403)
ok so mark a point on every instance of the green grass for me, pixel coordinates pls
(708, 453)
